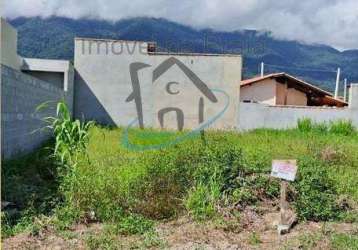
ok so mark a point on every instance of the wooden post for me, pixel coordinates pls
(283, 203)
(286, 171)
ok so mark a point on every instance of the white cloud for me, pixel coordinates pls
(332, 22)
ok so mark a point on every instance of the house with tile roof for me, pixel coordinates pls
(284, 89)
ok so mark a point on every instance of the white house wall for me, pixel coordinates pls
(262, 92)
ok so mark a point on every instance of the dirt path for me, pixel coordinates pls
(183, 233)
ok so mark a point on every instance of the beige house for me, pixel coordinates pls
(284, 89)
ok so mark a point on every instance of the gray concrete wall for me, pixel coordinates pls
(353, 97)
(253, 116)
(8, 44)
(104, 83)
(59, 73)
(55, 78)
(20, 95)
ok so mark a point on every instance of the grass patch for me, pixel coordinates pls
(344, 241)
(132, 224)
(201, 201)
(129, 189)
(102, 241)
(198, 176)
(310, 240)
(30, 184)
(108, 240)
(316, 192)
(339, 127)
(254, 239)
(330, 240)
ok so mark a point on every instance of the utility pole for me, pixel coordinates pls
(337, 83)
(262, 69)
(345, 90)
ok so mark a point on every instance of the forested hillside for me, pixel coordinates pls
(53, 38)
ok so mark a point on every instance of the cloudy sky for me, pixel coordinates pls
(333, 22)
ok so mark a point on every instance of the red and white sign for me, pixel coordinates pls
(284, 169)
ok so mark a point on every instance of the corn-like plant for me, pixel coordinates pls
(71, 136)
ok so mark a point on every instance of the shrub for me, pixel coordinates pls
(112, 184)
(321, 127)
(29, 183)
(219, 164)
(102, 241)
(252, 188)
(342, 127)
(168, 176)
(344, 241)
(185, 171)
(132, 224)
(202, 200)
(257, 161)
(152, 183)
(316, 193)
(219, 161)
(64, 217)
(243, 196)
(305, 125)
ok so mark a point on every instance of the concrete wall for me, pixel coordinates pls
(59, 73)
(55, 78)
(253, 116)
(104, 83)
(8, 44)
(353, 97)
(21, 94)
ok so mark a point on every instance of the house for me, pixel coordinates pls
(284, 89)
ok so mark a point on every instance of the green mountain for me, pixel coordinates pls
(53, 38)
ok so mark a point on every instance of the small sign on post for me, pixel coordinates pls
(285, 170)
